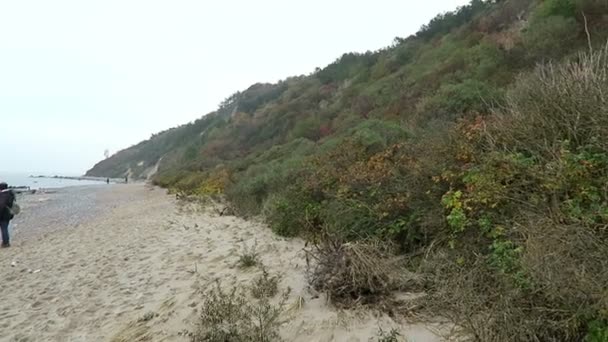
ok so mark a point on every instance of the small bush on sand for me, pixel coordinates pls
(229, 315)
(265, 286)
(147, 316)
(388, 336)
(249, 256)
(355, 272)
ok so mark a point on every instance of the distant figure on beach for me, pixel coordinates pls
(108, 180)
(126, 179)
(7, 200)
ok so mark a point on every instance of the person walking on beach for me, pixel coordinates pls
(7, 200)
(107, 180)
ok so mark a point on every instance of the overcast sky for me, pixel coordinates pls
(77, 77)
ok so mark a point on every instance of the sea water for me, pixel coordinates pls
(25, 179)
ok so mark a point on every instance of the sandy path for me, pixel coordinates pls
(92, 281)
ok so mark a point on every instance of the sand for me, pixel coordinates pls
(88, 263)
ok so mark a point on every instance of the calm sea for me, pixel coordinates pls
(23, 179)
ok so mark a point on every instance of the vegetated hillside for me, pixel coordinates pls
(477, 146)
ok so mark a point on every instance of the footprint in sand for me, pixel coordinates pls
(218, 259)
(67, 266)
(9, 278)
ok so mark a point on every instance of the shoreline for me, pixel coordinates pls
(81, 178)
(28, 183)
(21, 190)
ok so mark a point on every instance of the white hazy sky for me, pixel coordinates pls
(77, 77)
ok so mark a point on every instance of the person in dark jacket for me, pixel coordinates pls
(7, 199)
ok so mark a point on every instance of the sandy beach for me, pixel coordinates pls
(87, 263)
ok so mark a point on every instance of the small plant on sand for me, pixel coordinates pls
(249, 256)
(387, 336)
(147, 316)
(229, 315)
(265, 286)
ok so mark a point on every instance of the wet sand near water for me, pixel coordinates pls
(88, 263)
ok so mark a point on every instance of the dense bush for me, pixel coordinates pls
(292, 212)
(451, 100)
(527, 211)
(563, 8)
(550, 37)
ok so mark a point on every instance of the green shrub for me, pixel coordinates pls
(267, 173)
(550, 37)
(557, 104)
(597, 331)
(505, 257)
(309, 128)
(375, 135)
(348, 65)
(229, 315)
(250, 190)
(249, 256)
(191, 152)
(190, 182)
(451, 100)
(388, 336)
(351, 219)
(564, 8)
(292, 212)
(265, 285)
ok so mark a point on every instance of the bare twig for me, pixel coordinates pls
(587, 32)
